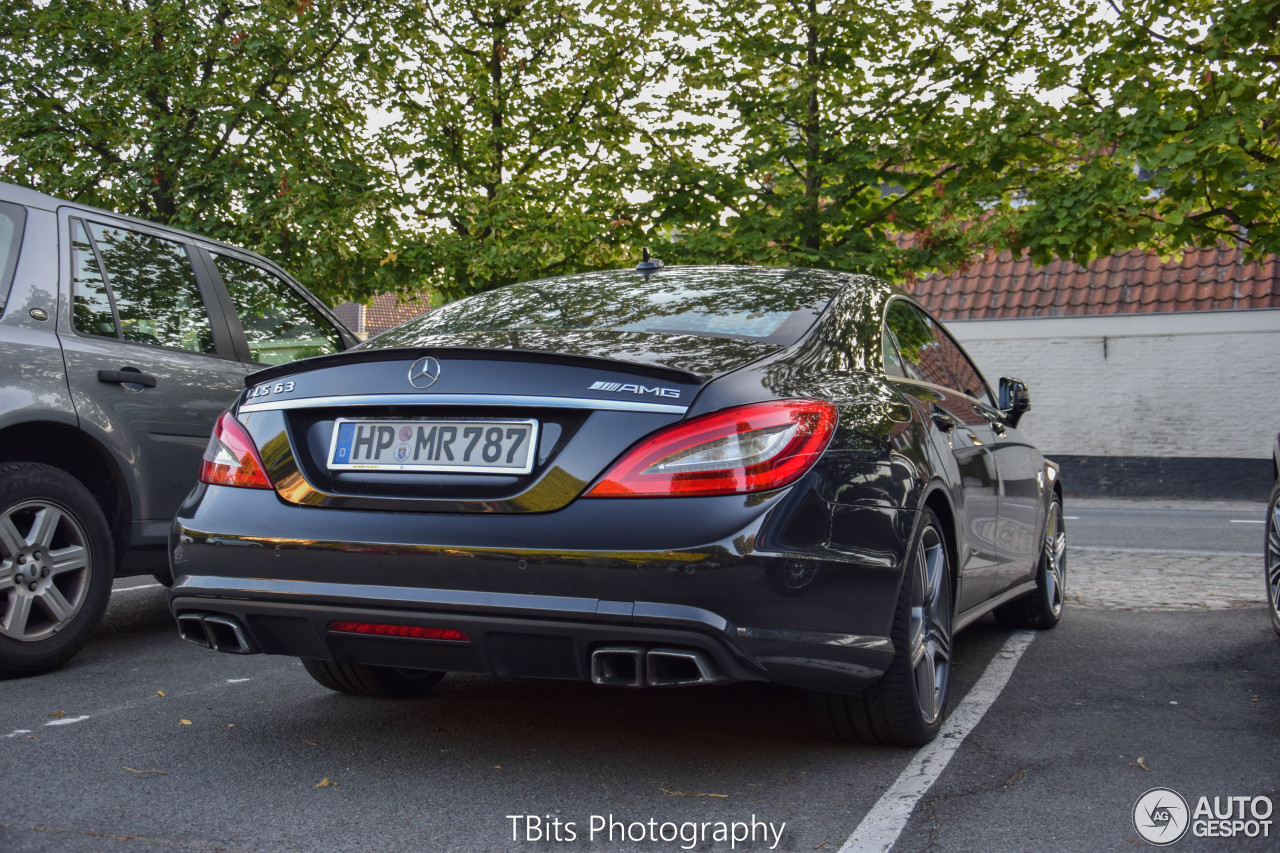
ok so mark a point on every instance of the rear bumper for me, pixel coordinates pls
(752, 583)
(519, 635)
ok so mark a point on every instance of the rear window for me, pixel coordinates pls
(758, 304)
(12, 218)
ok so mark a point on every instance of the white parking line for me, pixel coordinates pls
(1248, 521)
(1071, 518)
(881, 827)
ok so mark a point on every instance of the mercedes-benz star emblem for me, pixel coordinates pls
(424, 372)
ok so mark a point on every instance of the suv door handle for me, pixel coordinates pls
(127, 376)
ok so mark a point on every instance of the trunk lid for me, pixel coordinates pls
(589, 395)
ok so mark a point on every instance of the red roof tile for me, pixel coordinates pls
(383, 311)
(1128, 283)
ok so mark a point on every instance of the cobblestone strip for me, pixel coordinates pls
(1163, 580)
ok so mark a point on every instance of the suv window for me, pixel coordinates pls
(12, 218)
(279, 325)
(928, 354)
(138, 288)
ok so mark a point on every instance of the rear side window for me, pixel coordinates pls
(279, 325)
(91, 312)
(138, 288)
(12, 219)
(926, 352)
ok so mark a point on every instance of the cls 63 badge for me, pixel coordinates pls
(264, 390)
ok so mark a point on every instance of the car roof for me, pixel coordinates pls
(43, 201)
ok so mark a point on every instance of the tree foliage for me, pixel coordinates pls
(841, 134)
(454, 145)
(240, 121)
(1167, 135)
(514, 131)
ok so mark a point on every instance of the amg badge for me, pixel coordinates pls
(631, 388)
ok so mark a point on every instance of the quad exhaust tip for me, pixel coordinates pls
(633, 666)
(211, 631)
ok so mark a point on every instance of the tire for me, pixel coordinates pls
(56, 567)
(384, 682)
(1272, 561)
(1042, 608)
(907, 705)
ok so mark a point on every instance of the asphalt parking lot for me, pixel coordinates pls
(1162, 674)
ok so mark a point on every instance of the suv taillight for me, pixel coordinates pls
(751, 448)
(231, 459)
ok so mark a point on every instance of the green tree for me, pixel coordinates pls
(1166, 134)
(840, 134)
(245, 122)
(513, 137)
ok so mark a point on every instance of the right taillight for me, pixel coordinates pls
(751, 448)
(231, 459)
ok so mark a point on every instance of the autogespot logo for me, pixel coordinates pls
(1160, 816)
(424, 372)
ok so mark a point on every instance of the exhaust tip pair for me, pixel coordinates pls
(220, 633)
(635, 666)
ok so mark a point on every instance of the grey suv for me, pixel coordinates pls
(120, 344)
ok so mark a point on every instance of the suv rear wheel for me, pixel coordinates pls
(56, 566)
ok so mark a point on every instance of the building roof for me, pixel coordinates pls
(1128, 283)
(383, 311)
(1001, 287)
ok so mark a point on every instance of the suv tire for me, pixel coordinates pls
(56, 566)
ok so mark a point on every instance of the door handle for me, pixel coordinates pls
(945, 422)
(127, 375)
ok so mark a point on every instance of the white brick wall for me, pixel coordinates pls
(1174, 385)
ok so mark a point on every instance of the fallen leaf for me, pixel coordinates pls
(58, 714)
(1143, 764)
(184, 722)
(311, 742)
(683, 794)
(231, 725)
(147, 772)
(325, 783)
(497, 767)
(160, 693)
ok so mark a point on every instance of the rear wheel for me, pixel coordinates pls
(1273, 557)
(55, 567)
(906, 706)
(1043, 608)
(360, 679)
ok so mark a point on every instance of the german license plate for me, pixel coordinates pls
(466, 446)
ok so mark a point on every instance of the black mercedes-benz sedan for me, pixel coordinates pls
(653, 478)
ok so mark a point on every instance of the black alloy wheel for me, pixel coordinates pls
(1273, 557)
(907, 705)
(384, 682)
(1042, 608)
(55, 567)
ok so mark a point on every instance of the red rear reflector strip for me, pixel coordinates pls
(379, 630)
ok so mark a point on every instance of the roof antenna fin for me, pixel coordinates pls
(648, 266)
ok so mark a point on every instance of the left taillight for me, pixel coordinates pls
(231, 459)
(752, 448)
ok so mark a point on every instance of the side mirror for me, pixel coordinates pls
(1015, 399)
